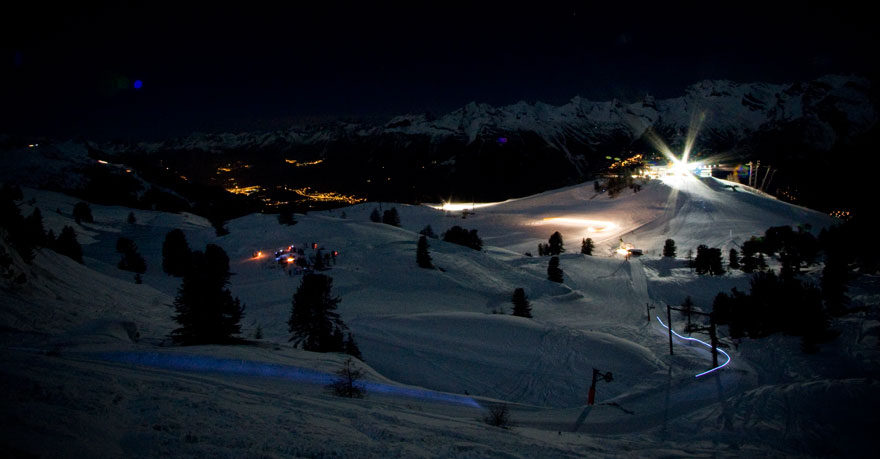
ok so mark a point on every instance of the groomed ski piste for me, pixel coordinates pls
(88, 368)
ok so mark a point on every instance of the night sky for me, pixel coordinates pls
(70, 71)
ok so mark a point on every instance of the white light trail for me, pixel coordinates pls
(688, 338)
(593, 226)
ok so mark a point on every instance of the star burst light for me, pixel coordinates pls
(680, 165)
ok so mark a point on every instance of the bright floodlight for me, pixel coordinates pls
(680, 166)
(457, 206)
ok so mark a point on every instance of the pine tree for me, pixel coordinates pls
(313, 317)
(204, 306)
(175, 253)
(285, 217)
(701, 262)
(319, 261)
(67, 245)
(219, 225)
(21, 236)
(687, 308)
(374, 216)
(351, 348)
(669, 248)
(390, 217)
(82, 213)
(423, 258)
(587, 246)
(461, 236)
(555, 244)
(716, 263)
(554, 272)
(428, 231)
(347, 384)
(521, 306)
(749, 261)
(708, 261)
(733, 259)
(131, 218)
(33, 228)
(835, 275)
(131, 259)
(761, 264)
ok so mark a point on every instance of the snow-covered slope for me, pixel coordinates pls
(79, 384)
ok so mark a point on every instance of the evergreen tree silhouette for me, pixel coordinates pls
(428, 231)
(423, 258)
(733, 259)
(351, 348)
(375, 217)
(461, 236)
(286, 217)
(687, 308)
(554, 272)
(521, 306)
(390, 217)
(82, 213)
(33, 228)
(587, 246)
(24, 234)
(669, 248)
(175, 253)
(204, 306)
(555, 244)
(131, 259)
(835, 275)
(67, 245)
(313, 318)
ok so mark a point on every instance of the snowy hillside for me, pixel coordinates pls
(89, 369)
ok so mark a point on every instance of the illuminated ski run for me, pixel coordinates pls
(688, 338)
(199, 363)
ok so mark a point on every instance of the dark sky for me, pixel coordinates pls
(70, 70)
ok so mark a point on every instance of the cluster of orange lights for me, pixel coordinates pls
(304, 163)
(245, 190)
(841, 214)
(626, 162)
(327, 196)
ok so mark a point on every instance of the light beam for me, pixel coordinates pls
(688, 338)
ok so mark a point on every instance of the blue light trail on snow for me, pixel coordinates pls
(688, 338)
(245, 367)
